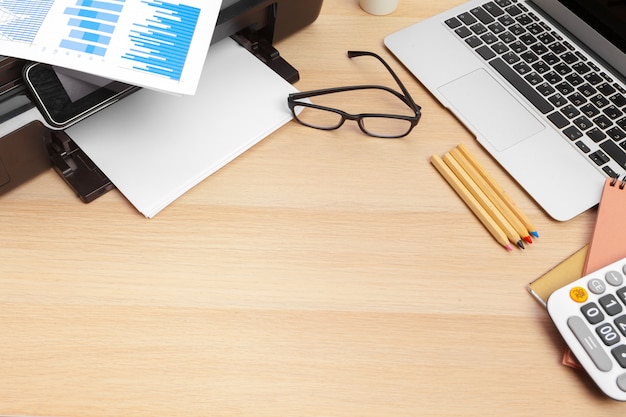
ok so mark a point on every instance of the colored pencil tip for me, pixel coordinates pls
(535, 234)
(528, 240)
(509, 247)
(520, 244)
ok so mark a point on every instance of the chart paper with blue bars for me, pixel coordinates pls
(159, 44)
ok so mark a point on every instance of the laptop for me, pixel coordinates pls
(540, 84)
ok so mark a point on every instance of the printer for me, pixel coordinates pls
(28, 147)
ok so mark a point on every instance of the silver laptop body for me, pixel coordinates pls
(559, 167)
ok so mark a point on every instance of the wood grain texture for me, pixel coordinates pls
(318, 274)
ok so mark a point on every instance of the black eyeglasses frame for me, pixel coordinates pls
(405, 97)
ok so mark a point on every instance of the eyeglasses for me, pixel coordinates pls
(379, 125)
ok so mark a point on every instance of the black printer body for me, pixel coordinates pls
(27, 147)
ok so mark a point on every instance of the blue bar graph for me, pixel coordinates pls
(91, 22)
(21, 20)
(161, 43)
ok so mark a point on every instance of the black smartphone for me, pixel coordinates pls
(65, 97)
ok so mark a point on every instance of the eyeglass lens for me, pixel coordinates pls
(373, 125)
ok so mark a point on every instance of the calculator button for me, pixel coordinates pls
(610, 305)
(619, 353)
(592, 313)
(590, 343)
(596, 286)
(614, 278)
(620, 323)
(578, 294)
(608, 334)
(621, 293)
(621, 382)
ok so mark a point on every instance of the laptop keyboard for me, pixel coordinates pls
(581, 99)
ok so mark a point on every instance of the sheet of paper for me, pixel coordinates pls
(157, 44)
(154, 147)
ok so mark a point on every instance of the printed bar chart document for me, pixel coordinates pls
(156, 44)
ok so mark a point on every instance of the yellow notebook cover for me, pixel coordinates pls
(565, 272)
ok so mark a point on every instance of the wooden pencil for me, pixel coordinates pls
(483, 200)
(520, 215)
(471, 202)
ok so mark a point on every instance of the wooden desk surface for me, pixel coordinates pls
(319, 274)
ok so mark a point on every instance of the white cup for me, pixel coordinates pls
(378, 7)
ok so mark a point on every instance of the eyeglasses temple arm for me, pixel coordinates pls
(352, 54)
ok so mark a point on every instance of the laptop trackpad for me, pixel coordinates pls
(490, 110)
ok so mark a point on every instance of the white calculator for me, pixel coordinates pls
(590, 314)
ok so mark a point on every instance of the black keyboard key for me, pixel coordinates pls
(589, 110)
(587, 90)
(534, 28)
(603, 122)
(507, 20)
(518, 47)
(518, 82)
(453, 23)
(619, 100)
(569, 58)
(577, 99)
(582, 123)
(616, 134)
(541, 67)
(485, 52)
(596, 135)
(462, 32)
(581, 68)
(529, 57)
(478, 28)
(496, 28)
(550, 58)
(575, 79)
(510, 58)
(612, 112)
(558, 100)
(473, 41)
(516, 29)
(558, 48)
(499, 48)
(564, 88)
(583, 147)
(493, 9)
(599, 100)
(533, 78)
(609, 172)
(606, 89)
(570, 111)
(527, 38)
(522, 68)
(482, 15)
(622, 123)
(552, 77)
(593, 78)
(558, 120)
(489, 38)
(467, 18)
(513, 10)
(539, 49)
(599, 158)
(615, 152)
(562, 69)
(546, 38)
(545, 89)
(507, 37)
(572, 133)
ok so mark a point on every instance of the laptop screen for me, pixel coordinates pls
(608, 17)
(599, 24)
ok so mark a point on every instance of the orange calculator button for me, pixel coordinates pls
(578, 294)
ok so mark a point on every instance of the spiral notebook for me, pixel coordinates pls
(607, 242)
